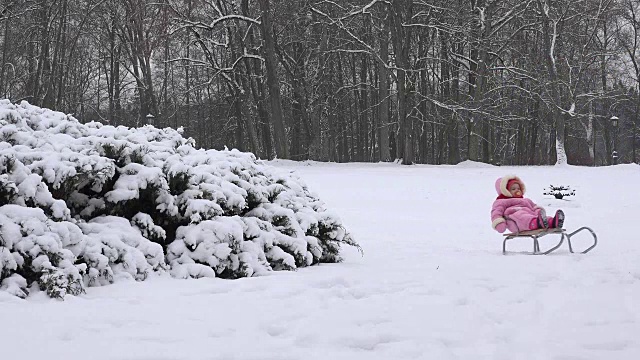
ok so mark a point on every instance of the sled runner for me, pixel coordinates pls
(536, 234)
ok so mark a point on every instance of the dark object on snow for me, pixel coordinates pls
(559, 191)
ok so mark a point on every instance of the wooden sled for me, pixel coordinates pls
(536, 234)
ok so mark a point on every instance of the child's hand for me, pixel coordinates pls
(501, 227)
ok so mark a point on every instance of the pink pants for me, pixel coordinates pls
(524, 219)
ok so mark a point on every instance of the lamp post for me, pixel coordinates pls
(614, 154)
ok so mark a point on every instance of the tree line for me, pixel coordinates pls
(518, 82)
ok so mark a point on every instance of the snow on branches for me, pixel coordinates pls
(86, 204)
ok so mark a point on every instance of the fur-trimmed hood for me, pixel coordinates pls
(501, 185)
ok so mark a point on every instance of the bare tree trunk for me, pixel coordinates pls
(38, 66)
(250, 125)
(634, 134)
(277, 116)
(332, 108)
(239, 133)
(533, 139)
(255, 84)
(354, 116)
(473, 151)
(401, 36)
(605, 107)
(423, 80)
(326, 146)
(481, 27)
(301, 126)
(259, 95)
(454, 139)
(364, 111)
(138, 43)
(591, 140)
(383, 106)
(341, 118)
(110, 73)
(165, 80)
(5, 50)
(62, 60)
(549, 33)
(447, 80)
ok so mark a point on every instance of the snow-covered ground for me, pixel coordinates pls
(433, 283)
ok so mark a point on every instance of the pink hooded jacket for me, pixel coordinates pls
(514, 212)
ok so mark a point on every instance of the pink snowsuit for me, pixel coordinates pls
(516, 213)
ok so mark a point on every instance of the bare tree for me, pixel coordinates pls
(505, 82)
(282, 147)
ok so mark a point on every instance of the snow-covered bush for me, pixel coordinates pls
(34, 248)
(84, 204)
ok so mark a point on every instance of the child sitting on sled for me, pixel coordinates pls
(514, 212)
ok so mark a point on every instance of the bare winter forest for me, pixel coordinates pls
(426, 81)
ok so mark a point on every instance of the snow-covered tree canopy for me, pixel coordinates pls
(84, 204)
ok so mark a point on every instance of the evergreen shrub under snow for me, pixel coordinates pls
(85, 204)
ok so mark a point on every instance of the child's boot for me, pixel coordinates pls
(534, 224)
(543, 222)
(558, 220)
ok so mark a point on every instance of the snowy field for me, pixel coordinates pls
(433, 283)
